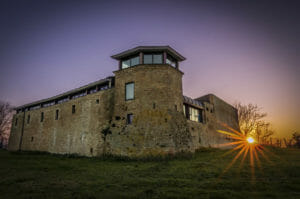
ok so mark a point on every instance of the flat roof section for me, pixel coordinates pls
(66, 94)
(132, 51)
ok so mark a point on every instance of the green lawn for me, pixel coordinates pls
(34, 175)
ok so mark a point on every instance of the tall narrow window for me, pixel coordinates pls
(200, 116)
(129, 91)
(194, 114)
(16, 122)
(56, 114)
(28, 119)
(129, 118)
(73, 109)
(42, 116)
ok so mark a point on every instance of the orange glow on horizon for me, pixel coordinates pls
(246, 147)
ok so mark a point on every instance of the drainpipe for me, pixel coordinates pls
(22, 130)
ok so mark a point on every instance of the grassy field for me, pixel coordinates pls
(34, 175)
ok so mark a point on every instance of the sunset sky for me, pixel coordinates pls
(241, 51)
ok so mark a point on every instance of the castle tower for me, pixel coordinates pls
(148, 78)
(148, 96)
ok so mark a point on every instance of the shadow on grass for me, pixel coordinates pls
(183, 155)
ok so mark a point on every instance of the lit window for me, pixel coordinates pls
(129, 118)
(129, 91)
(195, 114)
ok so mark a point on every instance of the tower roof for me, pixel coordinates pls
(132, 51)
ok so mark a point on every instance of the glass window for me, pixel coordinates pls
(135, 61)
(129, 118)
(147, 59)
(157, 59)
(194, 114)
(170, 61)
(129, 91)
(125, 63)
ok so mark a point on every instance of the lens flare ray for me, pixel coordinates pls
(246, 146)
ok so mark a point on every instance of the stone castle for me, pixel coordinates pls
(139, 111)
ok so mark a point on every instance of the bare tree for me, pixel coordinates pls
(288, 142)
(296, 138)
(251, 122)
(6, 112)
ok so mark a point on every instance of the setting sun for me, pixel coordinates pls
(250, 140)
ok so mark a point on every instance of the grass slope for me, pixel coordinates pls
(35, 175)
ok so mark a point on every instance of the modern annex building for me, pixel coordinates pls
(141, 110)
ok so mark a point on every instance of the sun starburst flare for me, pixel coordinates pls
(246, 146)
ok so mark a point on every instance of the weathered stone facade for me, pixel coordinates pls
(95, 121)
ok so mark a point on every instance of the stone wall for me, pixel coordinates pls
(158, 125)
(73, 133)
(222, 111)
(99, 124)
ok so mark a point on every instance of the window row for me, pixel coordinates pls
(153, 58)
(42, 116)
(67, 98)
(129, 118)
(73, 111)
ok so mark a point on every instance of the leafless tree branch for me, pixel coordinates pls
(6, 113)
(251, 121)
